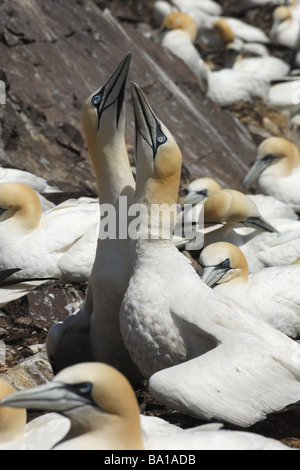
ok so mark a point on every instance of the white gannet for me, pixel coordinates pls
(96, 325)
(203, 356)
(286, 95)
(276, 170)
(269, 207)
(37, 242)
(224, 87)
(271, 294)
(225, 213)
(216, 32)
(286, 28)
(104, 414)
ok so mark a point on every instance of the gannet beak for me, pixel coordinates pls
(112, 93)
(148, 126)
(195, 197)
(212, 274)
(259, 223)
(257, 168)
(55, 396)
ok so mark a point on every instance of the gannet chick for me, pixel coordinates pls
(271, 294)
(93, 332)
(276, 170)
(203, 356)
(104, 414)
(286, 28)
(38, 242)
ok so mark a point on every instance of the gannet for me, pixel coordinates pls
(269, 67)
(269, 207)
(203, 356)
(277, 242)
(285, 95)
(38, 242)
(224, 86)
(96, 325)
(104, 414)
(220, 31)
(285, 28)
(271, 294)
(276, 170)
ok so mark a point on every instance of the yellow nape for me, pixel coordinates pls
(23, 201)
(182, 21)
(224, 31)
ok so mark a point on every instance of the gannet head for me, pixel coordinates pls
(12, 422)
(103, 113)
(158, 165)
(94, 396)
(182, 21)
(21, 204)
(281, 13)
(201, 189)
(276, 157)
(233, 207)
(223, 262)
(224, 31)
(158, 157)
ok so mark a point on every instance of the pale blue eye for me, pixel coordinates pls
(96, 100)
(161, 139)
(226, 263)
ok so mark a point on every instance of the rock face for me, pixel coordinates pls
(54, 54)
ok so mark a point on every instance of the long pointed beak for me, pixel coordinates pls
(212, 274)
(54, 396)
(195, 197)
(259, 223)
(113, 91)
(255, 171)
(147, 124)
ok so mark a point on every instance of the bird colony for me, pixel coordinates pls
(219, 344)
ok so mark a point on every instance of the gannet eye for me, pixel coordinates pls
(226, 263)
(84, 388)
(161, 139)
(96, 100)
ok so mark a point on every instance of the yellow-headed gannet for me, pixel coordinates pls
(37, 242)
(104, 415)
(276, 170)
(271, 294)
(203, 356)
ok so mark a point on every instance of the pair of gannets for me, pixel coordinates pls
(272, 294)
(224, 86)
(93, 332)
(99, 410)
(276, 170)
(199, 11)
(203, 355)
(59, 242)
